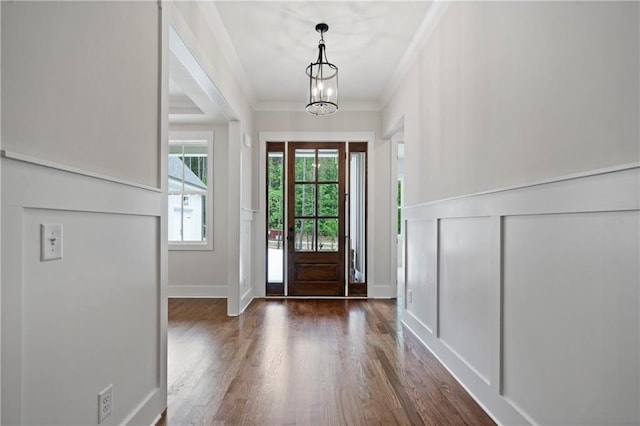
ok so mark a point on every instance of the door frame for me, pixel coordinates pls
(260, 236)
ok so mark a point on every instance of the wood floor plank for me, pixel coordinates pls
(306, 362)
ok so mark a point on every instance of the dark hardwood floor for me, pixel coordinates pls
(306, 362)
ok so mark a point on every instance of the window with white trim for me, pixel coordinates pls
(190, 185)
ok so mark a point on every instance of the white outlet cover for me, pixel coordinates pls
(105, 403)
(50, 241)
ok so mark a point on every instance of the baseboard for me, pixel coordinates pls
(197, 291)
(382, 292)
(246, 299)
(494, 405)
(149, 410)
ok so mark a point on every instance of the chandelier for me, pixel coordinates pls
(323, 80)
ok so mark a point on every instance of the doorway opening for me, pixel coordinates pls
(316, 219)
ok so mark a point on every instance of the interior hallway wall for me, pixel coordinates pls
(505, 94)
(80, 104)
(526, 283)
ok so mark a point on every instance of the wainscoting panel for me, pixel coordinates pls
(421, 272)
(571, 317)
(92, 288)
(73, 326)
(530, 296)
(465, 284)
(246, 258)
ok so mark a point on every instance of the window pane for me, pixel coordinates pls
(275, 217)
(399, 207)
(187, 168)
(327, 165)
(175, 168)
(357, 208)
(305, 235)
(195, 172)
(305, 199)
(328, 235)
(305, 165)
(175, 217)
(193, 217)
(328, 199)
(187, 173)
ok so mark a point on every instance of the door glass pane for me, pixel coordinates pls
(328, 235)
(305, 235)
(275, 217)
(327, 165)
(357, 208)
(305, 165)
(305, 199)
(328, 199)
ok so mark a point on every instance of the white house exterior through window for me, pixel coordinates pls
(189, 190)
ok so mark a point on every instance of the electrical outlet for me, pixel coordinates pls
(105, 403)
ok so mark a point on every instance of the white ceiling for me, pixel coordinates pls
(269, 44)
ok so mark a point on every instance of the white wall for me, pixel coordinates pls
(82, 150)
(69, 102)
(203, 273)
(381, 280)
(505, 93)
(526, 283)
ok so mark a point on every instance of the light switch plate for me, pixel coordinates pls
(50, 241)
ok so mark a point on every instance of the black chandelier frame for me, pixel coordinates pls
(323, 80)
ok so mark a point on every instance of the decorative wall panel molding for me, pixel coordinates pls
(73, 314)
(530, 296)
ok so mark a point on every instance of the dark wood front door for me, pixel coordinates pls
(315, 219)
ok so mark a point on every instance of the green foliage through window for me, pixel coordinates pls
(399, 207)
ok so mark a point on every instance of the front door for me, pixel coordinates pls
(315, 219)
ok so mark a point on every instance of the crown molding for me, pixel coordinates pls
(216, 25)
(428, 25)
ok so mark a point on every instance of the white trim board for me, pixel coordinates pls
(317, 137)
(80, 191)
(57, 166)
(617, 188)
